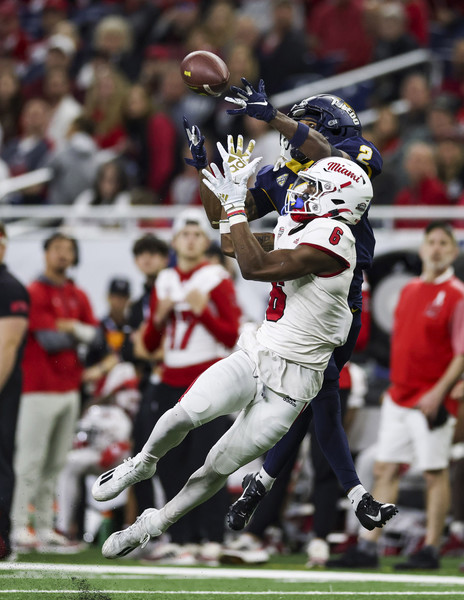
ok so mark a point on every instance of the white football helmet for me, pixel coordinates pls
(332, 187)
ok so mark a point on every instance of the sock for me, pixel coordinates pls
(355, 495)
(156, 524)
(147, 458)
(367, 546)
(265, 479)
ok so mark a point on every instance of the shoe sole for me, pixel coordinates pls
(124, 552)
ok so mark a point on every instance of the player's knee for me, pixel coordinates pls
(176, 419)
(198, 407)
(386, 472)
(209, 473)
(271, 431)
(223, 462)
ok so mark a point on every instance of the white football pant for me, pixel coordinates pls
(228, 386)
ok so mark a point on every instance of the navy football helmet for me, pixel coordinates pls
(330, 115)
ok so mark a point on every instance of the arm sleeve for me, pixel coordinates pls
(225, 325)
(152, 336)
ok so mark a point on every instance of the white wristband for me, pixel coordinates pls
(224, 226)
(238, 218)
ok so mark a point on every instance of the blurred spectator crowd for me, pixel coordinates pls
(92, 90)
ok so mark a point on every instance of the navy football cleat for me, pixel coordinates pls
(242, 509)
(372, 514)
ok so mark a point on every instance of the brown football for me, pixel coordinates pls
(205, 73)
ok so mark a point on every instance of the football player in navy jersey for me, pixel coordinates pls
(315, 128)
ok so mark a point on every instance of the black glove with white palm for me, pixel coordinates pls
(253, 103)
(196, 143)
(231, 188)
(284, 156)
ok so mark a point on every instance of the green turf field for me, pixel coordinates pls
(87, 576)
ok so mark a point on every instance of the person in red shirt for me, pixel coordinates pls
(60, 318)
(151, 144)
(418, 414)
(339, 34)
(423, 188)
(194, 317)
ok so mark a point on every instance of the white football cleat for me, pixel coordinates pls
(119, 544)
(113, 482)
(24, 540)
(318, 552)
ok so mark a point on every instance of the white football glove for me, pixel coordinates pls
(236, 158)
(231, 195)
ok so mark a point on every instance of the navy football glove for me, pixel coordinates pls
(253, 103)
(196, 143)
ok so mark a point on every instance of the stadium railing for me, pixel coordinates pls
(362, 75)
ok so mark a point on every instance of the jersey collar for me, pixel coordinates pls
(443, 277)
(184, 275)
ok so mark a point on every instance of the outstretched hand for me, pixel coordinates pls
(235, 157)
(231, 194)
(196, 143)
(253, 103)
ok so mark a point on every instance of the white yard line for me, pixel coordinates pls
(220, 573)
(264, 593)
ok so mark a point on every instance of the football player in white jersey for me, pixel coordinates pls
(277, 370)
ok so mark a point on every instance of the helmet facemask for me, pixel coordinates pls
(304, 197)
(335, 188)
